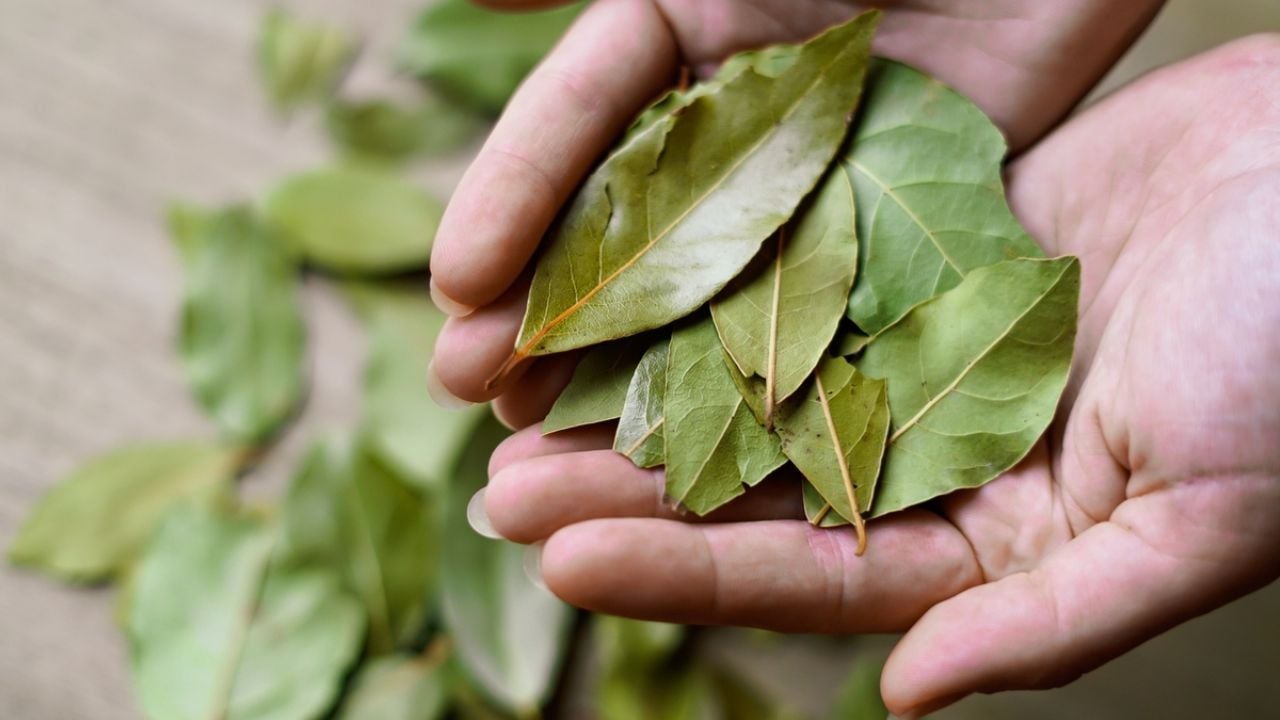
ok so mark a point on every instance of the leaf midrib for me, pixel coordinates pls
(889, 191)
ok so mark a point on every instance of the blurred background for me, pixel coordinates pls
(110, 109)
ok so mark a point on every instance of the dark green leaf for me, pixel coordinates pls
(638, 677)
(713, 443)
(356, 218)
(851, 343)
(925, 164)
(859, 697)
(219, 630)
(510, 634)
(599, 386)
(672, 216)
(383, 130)
(94, 523)
(479, 55)
(777, 322)
(397, 688)
(242, 337)
(300, 62)
(344, 510)
(974, 377)
(640, 433)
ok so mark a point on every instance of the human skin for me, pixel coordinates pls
(1154, 497)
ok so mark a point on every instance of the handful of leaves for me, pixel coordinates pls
(808, 258)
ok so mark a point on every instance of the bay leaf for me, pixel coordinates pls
(401, 423)
(714, 445)
(219, 630)
(480, 56)
(301, 61)
(345, 511)
(355, 218)
(242, 336)
(640, 433)
(598, 389)
(94, 523)
(777, 323)
(390, 131)
(511, 635)
(817, 510)
(926, 169)
(398, 687)
(974, 377)
(851, 343)
(835, 435)
(668, 220)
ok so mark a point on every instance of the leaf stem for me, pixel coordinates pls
(843, 463)
(771, 372)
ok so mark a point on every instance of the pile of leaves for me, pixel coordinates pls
(761, 281)
(360, 592)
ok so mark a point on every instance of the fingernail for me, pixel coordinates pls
(533, 564)
(446, 304)
(478, 517)
(440, 394)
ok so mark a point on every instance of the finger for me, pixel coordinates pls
(530, 443)
(529, 500)
(783, 575)
(1157, 563)
(529, 401)
(616, 56)
(469, 349)
(521, 5)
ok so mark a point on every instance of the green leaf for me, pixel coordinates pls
(299, 62)
(640, 434)
(220, 630)
(676, 213)
(398, 412)
(242, 337)
(384, 130)
(345, 511)
(93, 524)
(598, 389)
(859, 697)
(511, 635)
(477, 55)
(925, 164)
(775, 323)
(397, 688)
(357, 219)
(638, 676)
(714, 444)
(835, 434)
(817, 510)
(851, 343)
(974, 377)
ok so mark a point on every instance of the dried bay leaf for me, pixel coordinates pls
(220, 628)
(598, 389)
(301, 61)
(670, 218)
(926, 169)
(640, 433)
(93, 524)
(384, 130)
(355, 218)
(974, 377)
(510, 635)
(242, 336)
(346, 511)
(714, 445)
(776, 324)
(835, 434)
(850, 343)
(398, 687)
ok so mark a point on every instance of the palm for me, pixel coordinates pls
(1152, 498)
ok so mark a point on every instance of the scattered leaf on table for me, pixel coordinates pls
(220, 630)
(777, 322)
(384, 130)
(510, 634)
(401, 422)
(925, 164)
(974, 377)
(242, 337)
(640, 433)
(345, 511)
(835, 434)
(714, 445)
(670, 218)
(299, 61)
(478, 55)
(94, 523)
(598, 388)
(356, 218)
(399, 687)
